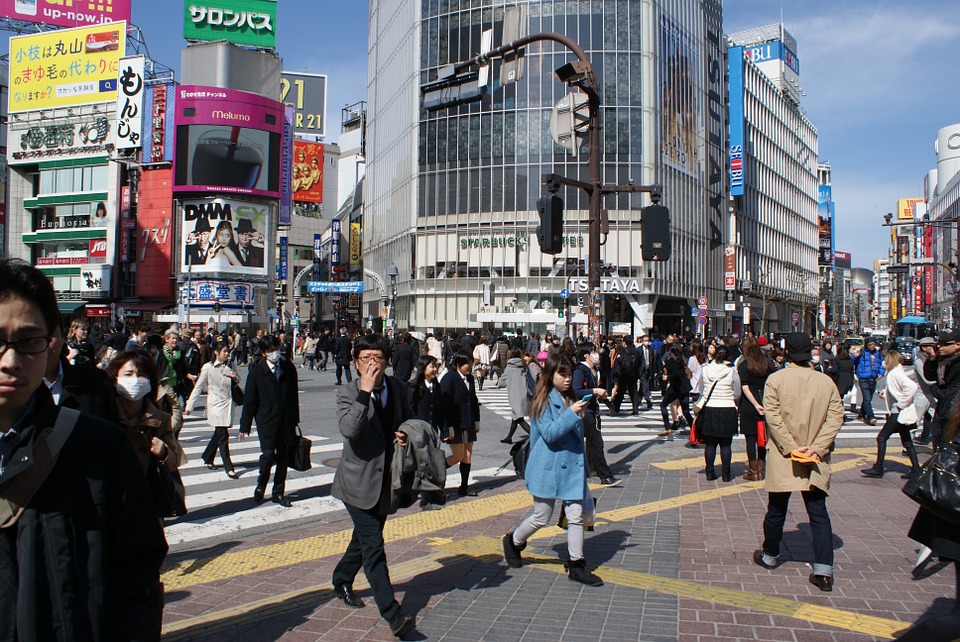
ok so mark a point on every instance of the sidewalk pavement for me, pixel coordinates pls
(673, 549)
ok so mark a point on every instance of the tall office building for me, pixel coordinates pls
(775, 195)
(450, 196)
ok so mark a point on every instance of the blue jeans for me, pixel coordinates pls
(868, 387)
(816, 502)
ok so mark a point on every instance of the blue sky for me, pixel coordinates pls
(879, 77)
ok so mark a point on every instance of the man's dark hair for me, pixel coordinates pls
(371, 342)
(20, 279)
(144, 326)
(583, 352)
(460, 359)
(267, 343)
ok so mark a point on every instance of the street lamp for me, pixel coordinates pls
(393, 272)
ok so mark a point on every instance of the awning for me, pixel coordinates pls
(70, 307)
(145, 307)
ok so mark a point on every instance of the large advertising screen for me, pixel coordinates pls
(307, 172)
(65, 68)
(242, 22)
(308, 95)
(66, 14)
(227, 141)
(680, 109)
(825, 210)
(224, 235)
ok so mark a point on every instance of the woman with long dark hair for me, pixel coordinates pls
(556, 468)
(753, 370)
(424, 391)
(721, 386)
(677, 389)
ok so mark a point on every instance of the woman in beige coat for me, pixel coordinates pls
(216, 378)
(804, 413)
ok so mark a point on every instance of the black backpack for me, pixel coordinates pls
(629, 363)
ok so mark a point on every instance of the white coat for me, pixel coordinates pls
(215, 380)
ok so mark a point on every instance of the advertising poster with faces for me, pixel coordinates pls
(307, 172)
(224, 236)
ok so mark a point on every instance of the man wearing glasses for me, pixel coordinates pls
(71, 491)
(371, 409)
(944, 368)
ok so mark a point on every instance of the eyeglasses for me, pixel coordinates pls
(370, 358)
(27, 345)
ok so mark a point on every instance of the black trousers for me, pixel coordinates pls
(815, 501)
(596, 457)
(668, 398)
(366, 550)
(279, 456)
(890, 427)
(341, 368)
(220, 440)
(625, 386)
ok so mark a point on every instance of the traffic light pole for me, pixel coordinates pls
(580, 74)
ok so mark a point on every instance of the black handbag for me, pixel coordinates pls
(166, 489)
(937, 486)
(236, 393)
(300, 459)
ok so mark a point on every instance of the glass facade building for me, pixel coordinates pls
(451, 195)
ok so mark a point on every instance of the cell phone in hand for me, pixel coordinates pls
(587, 397)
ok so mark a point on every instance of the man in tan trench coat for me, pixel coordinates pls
(804, 412)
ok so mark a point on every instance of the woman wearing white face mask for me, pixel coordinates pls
(134, 374)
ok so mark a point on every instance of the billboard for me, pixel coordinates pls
(158, 132)
(679, 125)
(231, 295)
(842, 260)
(905, 208)
(65, 68)
(58, 13)
(825, 211)
(130, 90)
(227, 141)
(286, 167)
(242, 22)
(736, 113)
(308, 95)
(308, 172)
(155, 239)
(224, 235)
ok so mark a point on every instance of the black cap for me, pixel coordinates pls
(949, 336)
(798, 345)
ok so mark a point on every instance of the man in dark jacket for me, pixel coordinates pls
(85, 389)
(271, 395)
(869, 365)
(91, 504)
(626, 369)
(341, 356)
(405, 357)
(371, 411)
(944, 368)
(324, 348)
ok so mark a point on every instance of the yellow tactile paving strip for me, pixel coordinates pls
(693, 462)
(422, 524)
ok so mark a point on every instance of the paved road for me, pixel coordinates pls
(222, 509)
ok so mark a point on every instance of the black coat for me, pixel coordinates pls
(459, 409)
(949, 386)
(404, 360)
(677, 378)
(841, 371)
(275, 404)
(426, 404)
(92, 526)
(88, 390)
(342, 349)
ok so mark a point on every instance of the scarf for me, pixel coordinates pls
(943, 364)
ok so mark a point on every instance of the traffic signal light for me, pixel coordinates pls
(559, 313)
(550, 230)
(655, 233)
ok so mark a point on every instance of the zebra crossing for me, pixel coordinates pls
(221, 507)
(627, 429)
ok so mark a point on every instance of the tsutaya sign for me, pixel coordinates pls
(610, 285)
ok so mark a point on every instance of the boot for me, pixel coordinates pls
(725, 473)
(875, 471)
(511, 552)
(761, 469)
(914, 461)
(752, 471)
(577, 572)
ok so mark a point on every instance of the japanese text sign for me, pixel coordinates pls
(66, 68)
(130, 103)
(242, 22)
(69, 13)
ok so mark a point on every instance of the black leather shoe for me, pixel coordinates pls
(345, 593)
(758, 560)
(282, 500)
(400, 624)
(822, 582)
(466, 492)
(258, 494)
(711, 475)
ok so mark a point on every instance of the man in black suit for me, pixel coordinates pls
(341, 356)
(82, 388)
(249, 254)
(648, 369)
(405, 357)
(460, 416)
(371, 410)
(195, 251)
(271, 395)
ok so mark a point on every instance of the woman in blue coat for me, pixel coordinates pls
(556, 468)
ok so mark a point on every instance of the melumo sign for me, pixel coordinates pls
(242, 22)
